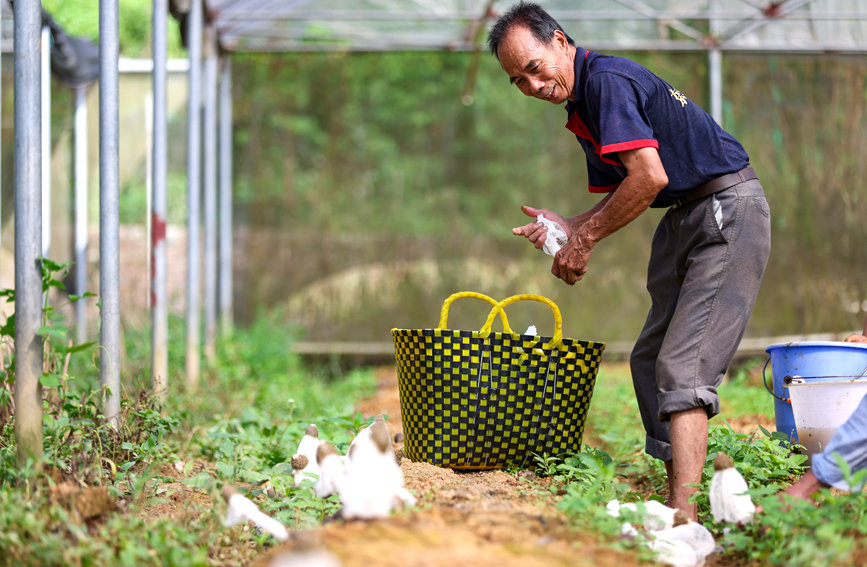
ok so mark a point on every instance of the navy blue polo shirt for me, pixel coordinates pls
(620, 105)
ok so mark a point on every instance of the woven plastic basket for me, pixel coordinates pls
(485, 400)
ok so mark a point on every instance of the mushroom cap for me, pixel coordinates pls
(312, 431)
(681, 517)
(299, 462)
(228, 491)
(324, 451)
(379, 434)
(722, 462)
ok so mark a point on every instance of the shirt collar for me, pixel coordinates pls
(581, 55)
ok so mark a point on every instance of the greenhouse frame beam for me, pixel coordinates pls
(755, 23)
(563, 16)
(309, 25)
(612, 46)
(244, 24)
(673, 23)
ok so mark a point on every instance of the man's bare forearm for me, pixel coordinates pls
(645, 179)
(576, 221)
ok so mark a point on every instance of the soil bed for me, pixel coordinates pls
(486, 518)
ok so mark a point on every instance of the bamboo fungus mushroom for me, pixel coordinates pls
(728, 499)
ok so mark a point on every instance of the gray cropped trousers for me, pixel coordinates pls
(706, 265)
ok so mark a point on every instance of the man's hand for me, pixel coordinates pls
(570, 263)
(536, 231)
(645, 178)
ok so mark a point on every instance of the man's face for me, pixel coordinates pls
(542, 70)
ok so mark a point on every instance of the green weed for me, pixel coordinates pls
(260, 399)
(788, 532)
(764, 460)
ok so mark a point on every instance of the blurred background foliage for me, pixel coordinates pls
(365, 191)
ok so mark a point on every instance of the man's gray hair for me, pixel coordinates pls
(533, 17)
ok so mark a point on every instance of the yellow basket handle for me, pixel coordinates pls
(444, 312)
(556, 340)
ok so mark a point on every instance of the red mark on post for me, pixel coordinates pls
(158, 235)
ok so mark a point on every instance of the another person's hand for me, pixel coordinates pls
(536, 231)
(856, 338)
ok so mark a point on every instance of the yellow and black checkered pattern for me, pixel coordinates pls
(474, 402)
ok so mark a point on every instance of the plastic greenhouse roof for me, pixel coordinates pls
(391, 25)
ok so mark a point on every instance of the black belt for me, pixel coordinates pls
(716, 185)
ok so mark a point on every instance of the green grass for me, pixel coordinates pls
(244, 422)
(240, 427)
(787, 533)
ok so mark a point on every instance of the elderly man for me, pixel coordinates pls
(648, 145)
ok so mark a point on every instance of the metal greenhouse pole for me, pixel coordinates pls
(159, 208)
(210, 192)
(194, 133)
(109, 222)
(28, 232)
(81, 191)
(715, 65)
(46, 140)
(1, 106)
(226, 196)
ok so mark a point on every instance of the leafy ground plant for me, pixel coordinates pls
(788, 532)
(103, 491)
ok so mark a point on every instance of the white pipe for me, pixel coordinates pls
(226, 286)
(159, 296)
(714, 64)
(194, 164)
(109, 220)
(81, 200)
(210, 194)
(28, 233)
(46, 141)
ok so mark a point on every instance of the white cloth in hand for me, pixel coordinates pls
(556, 237)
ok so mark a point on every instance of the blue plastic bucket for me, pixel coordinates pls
(811, 360)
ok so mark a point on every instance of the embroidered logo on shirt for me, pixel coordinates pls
(678, 96)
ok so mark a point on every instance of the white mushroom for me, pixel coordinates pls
(693, 534)
(673, 552)
(728, 499)
(304, 460)
(331, 470)
(242, 509)
(372, 484)
(655, 515)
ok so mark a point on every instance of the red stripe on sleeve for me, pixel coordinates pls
(631, 145)
(605, 189)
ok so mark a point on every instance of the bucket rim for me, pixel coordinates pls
(796, 344)
(848, 380)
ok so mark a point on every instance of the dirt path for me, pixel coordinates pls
(478, 519)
